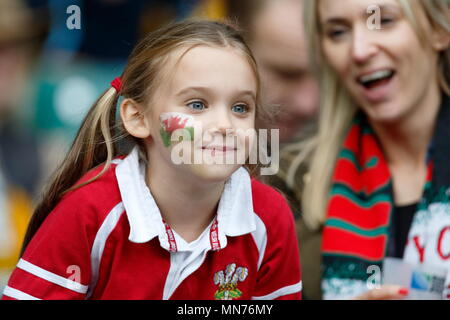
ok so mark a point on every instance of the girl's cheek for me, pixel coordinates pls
(175, 127)
(246, 140)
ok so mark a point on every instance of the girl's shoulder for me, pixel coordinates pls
(270, 205)
(264, 192)
(96, 199)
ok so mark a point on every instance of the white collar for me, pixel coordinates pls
(235, 211)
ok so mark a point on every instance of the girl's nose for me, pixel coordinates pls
(223, 122)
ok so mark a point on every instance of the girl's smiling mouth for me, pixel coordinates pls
(219, 149)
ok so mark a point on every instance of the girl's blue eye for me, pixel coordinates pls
(240, 108)
(196, 105)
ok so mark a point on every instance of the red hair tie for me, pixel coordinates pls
(117, 84)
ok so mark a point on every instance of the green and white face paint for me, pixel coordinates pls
(173, 121)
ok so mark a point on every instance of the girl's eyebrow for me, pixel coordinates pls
(206, 90)
(248, 93)
(192, 89)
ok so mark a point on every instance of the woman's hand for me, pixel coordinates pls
(385, 292)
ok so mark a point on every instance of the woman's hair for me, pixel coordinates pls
(100, 137)
(337, 108)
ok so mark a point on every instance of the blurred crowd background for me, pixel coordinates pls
(52, 70)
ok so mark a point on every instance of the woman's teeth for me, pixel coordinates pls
(375, 77)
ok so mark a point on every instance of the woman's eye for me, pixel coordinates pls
(196, 105)
(386, 20)
(240, 108)
(335, 33)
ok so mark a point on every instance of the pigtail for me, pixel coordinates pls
(92, 146)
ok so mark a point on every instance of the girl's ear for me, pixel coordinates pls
(133, 119)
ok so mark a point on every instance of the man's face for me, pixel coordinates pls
(278, 43)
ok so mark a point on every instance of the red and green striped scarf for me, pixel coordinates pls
(355, 235)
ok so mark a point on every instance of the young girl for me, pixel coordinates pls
(135, 225)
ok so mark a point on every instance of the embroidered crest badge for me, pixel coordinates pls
(227, 281)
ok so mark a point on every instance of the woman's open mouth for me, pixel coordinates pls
(376, 85)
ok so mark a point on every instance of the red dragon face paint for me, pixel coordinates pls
(172, 121)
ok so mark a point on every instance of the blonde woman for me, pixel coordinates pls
(379, 180)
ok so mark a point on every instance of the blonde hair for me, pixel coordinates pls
(100, 136)
(337, 108)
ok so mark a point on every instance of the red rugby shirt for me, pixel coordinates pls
(107, 240)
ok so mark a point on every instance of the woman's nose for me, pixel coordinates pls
(364, 46)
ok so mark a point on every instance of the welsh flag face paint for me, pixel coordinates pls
(172, 121)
